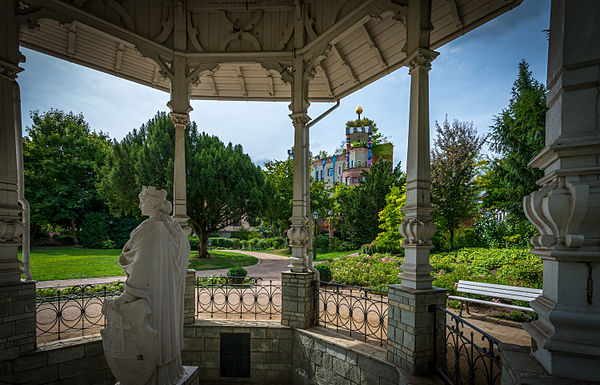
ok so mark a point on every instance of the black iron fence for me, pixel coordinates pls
(72, 311)
(353, 310)
(464, 354)
(237, 297)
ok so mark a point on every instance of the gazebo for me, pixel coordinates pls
(322, 50)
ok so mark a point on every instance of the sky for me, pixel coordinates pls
(470, 80)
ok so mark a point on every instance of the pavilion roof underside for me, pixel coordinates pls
(243, 49)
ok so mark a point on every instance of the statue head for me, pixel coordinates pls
(154, 202)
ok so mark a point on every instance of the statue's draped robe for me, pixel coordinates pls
(155, 260)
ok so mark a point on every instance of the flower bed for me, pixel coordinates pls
(515, 267)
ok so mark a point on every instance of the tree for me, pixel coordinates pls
(453, 164)
(279, 175)
(61, 156)
(223, 185)
(390, 219)
(359, 206)
(517, 135)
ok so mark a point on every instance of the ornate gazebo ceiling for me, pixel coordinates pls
(242, 50)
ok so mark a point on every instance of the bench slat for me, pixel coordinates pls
(491, 303)
(500, 294)
(494, 285)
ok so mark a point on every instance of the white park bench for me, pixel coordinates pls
(496, 291)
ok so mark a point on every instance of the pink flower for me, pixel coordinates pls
(384, 259)
(455, 285)
(496, 300)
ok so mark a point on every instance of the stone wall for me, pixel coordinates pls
(77, 361)
(17, 319)
(270, 350)
(325, 358)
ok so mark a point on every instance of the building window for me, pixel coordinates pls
(351, 163)
(355, 179)
(340, 170)
(359, 163)
(316, 174)
(364, 178)
(347, 180)
(330, 171)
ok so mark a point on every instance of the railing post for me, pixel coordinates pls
(297, 299)
(189, 298)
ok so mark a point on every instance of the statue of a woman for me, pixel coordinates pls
(143, 338)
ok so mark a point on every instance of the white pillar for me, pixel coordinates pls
(418, 227)
(566, 209)
(299, 232)
(11, 228)
(180, 109)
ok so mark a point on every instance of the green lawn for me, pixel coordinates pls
(320, 255)
(52, 263)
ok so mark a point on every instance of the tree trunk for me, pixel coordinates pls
(202, 245)
(74, 232)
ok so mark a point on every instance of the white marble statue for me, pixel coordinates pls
(143, 337)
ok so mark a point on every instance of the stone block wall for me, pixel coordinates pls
(297, 299)
(325, 358)
(189, 297)
(270, 350)
(77, 361)
(17, 319)
(410, 326)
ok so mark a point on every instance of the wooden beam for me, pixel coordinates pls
(213, 84)
(242, 81)
(345, 65)
(453, 7)
(373, 47)
(270, 83)
(119, 58)
(71, 39)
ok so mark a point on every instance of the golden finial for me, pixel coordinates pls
(359, 111)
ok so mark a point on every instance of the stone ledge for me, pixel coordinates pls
(519, 367)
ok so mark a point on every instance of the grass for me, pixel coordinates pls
(320, 256)
(54, 263)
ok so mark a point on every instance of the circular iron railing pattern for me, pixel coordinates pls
(464, 354)
(72, 311)
(352, 309)
(239, 297)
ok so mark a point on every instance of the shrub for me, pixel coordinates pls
(242, 233)
(324, 272)
(109, 244)
(345, 246)
(322, 243)
(94, 230)
(237, 271)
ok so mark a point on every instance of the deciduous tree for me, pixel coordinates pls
(61, 156)
(453, 162)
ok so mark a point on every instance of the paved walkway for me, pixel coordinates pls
(269, 267)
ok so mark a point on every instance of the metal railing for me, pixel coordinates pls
(464, 354)
(237, 297)
(353, 310)
(72, 311)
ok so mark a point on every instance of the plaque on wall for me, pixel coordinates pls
(235, 354)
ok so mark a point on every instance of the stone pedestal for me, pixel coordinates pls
(410, 327)
(297, 299)
(189, 298)
(17, 319)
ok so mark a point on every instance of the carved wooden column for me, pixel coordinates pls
(180, 109)
(566, 209)
(299, 232)
(17, 298)
(410, 324)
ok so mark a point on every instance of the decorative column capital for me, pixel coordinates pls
(421, 58)
(299, 236)
(9, 70)
(180, 119)
(299, 118)
(417, 231)
(11, 230)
